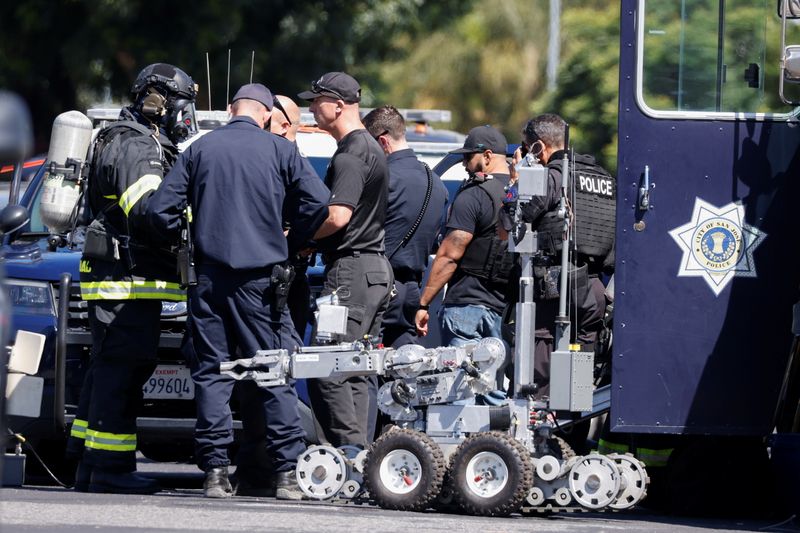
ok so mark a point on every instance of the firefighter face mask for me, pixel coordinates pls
(181, 120)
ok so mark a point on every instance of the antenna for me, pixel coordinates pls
(228, 88)
(252, 61)
(208, 72)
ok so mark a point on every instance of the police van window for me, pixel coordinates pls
(711, 56)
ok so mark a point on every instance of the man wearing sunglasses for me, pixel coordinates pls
(285, 119)
(472, 260)
(351, 240)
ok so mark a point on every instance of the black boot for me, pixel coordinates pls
(217, 484)
(83, 476)
(286, 487)
(121, 483)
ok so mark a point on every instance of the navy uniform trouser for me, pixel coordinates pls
(399, 327)
(124, 344)
(231, 312)
(344, 408)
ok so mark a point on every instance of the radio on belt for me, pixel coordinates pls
(331, 318)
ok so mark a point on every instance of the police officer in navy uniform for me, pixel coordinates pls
(593, 233)
(351, 239)
(239, 181)
(125, 275)
(417, 201)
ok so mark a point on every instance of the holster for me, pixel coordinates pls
(547, 279)
(186, 269)
(280, 282)
(546, 282)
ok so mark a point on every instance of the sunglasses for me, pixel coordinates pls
(276, 103)
(376, 137)
(317, 87)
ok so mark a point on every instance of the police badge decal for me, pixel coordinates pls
(717, 244)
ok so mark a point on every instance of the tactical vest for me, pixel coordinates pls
(594, 207)
(486, 256)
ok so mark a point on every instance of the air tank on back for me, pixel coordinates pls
(66, 158)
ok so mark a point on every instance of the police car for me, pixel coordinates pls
(45, 300)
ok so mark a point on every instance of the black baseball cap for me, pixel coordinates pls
(335, 85)
(482, 138)
(257, 92)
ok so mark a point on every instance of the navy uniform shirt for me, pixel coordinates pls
(236, 180)
(408, 182)
(358, 178)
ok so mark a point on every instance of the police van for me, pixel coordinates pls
(44, 295)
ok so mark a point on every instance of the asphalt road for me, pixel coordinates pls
(181, 507)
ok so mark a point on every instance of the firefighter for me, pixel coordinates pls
(124, 276)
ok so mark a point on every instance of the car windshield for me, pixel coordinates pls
(29, 169)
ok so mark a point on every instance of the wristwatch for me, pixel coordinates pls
(423, 307)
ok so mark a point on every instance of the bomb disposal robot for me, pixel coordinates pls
(445, 449)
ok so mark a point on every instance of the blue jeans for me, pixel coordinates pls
(465, 323)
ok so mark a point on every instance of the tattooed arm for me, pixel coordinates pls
(444, 265)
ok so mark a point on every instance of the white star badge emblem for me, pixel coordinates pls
(717, 244)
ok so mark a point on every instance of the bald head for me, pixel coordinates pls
(285, 125)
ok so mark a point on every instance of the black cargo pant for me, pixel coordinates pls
(591, 307)
(124, 344)
(343, 407)
(231, 311)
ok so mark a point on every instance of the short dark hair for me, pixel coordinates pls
(549, 128)
(386, 120)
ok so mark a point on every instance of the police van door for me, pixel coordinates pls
(707, 233)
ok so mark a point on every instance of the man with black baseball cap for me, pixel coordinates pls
(240, 182)
(351, 240)
(472, 260)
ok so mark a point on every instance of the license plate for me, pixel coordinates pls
(169, 382)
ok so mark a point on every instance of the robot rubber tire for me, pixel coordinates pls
(491, 474)
(404, 470)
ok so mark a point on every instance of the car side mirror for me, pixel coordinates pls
(13, 218)
(791, 8)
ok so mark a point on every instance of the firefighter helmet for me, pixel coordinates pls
(165, 95)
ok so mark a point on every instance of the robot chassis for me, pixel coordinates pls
(448, 450)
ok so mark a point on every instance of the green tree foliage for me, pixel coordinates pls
(485, 65)
(69, 54)
(588, 79)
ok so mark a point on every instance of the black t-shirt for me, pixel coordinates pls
(358, 177)
(472, 211)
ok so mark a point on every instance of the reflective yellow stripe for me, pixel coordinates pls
(110, 196)
(132, 290)
(605, 446)
(78, 428)
(134, 193)
(654, 457)
(189, 213)
(115, 442)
